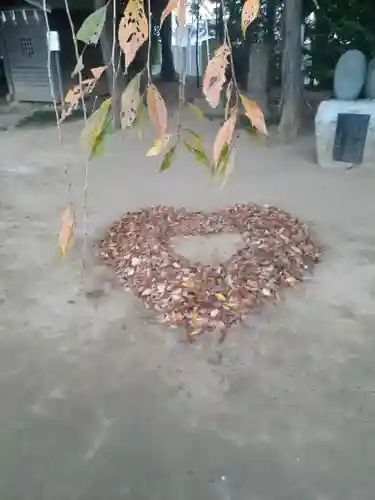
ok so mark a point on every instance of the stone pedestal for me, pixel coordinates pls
(325, 131)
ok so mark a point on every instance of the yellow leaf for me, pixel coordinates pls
(220, 297)
(171, 6)
(133, 30)
(214, 76)
(66, 236)
(157, 110)
(224, 136)
(250, 11)
(255, 114)
(195, 315)
(159, 145)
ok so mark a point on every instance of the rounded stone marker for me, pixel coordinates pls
(350, 74)
(370, 80)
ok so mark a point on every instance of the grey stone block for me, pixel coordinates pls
(325, 130)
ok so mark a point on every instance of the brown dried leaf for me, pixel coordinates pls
(133, 30)
(157, 110)
(224, 136)
(214, 77)
(75, 95)
(255, 114)
(198, 296)
(97, 72)
(250, 11)
(66, 236)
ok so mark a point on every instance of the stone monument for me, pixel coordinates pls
(345, 126)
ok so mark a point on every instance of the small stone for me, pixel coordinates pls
(350, 74)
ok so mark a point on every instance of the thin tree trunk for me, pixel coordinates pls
(167, 72)
(291, 71)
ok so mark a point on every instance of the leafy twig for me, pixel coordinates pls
(59, 131)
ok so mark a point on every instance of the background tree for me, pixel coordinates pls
(291, 70)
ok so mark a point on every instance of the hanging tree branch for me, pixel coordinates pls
(134, 30)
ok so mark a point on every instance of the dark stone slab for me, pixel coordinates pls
(350, 138)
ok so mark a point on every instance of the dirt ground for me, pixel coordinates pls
(100, 402)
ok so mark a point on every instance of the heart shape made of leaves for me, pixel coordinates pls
(278, 250)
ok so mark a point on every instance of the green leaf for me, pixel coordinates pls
(92, 26)
(199, 154)
(98, 148)
(98, 127)
(223, 159)
(194, 134)
(79, 66)
(168, 158)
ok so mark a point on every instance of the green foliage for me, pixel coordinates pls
(92, 26)
(338, 25)
(99, 126)
(169, 156)
(195, 146)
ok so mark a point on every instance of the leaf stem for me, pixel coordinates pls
(228, 42)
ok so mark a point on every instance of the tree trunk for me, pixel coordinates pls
(167, 71)
(114, 83)
(270, 39)
(257, 78)
(291, 71)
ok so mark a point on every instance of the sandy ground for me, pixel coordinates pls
(100, 402)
